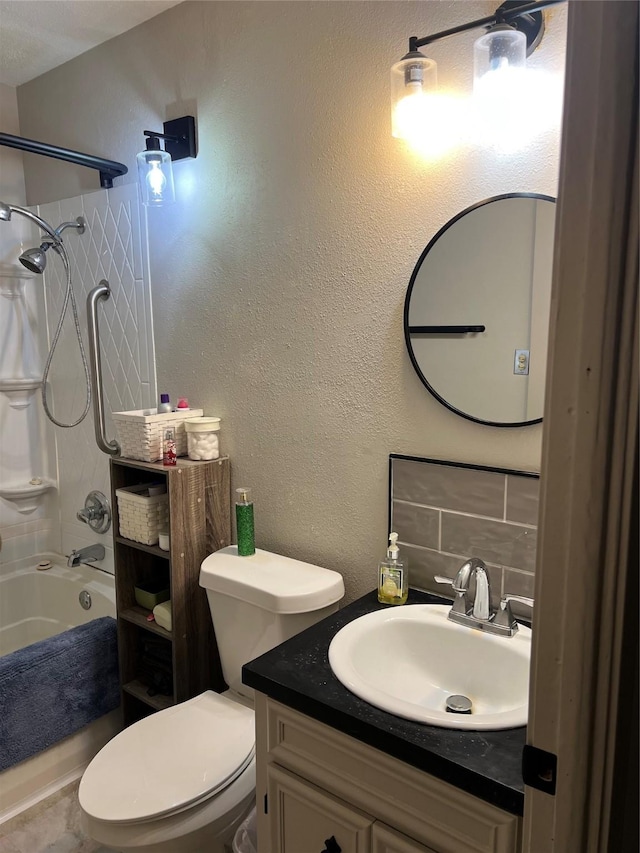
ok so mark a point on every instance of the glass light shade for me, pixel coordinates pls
(502, 48)
(155, 178)
(500, 88)
(414, 81)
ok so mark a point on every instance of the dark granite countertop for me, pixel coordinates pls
(486, 764)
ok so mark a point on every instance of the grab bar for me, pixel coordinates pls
(101, 291)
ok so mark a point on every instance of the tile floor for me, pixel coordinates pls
(51, 826)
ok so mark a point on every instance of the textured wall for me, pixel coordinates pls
(11, 168)
(279, 278)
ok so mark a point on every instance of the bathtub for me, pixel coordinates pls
(35, 605)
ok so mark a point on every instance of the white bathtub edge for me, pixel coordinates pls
(47, 772)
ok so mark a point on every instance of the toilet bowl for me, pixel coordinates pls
(183, 779)
(180, 781)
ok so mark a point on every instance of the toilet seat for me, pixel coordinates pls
(170, 761)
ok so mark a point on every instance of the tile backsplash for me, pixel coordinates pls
(446, 512)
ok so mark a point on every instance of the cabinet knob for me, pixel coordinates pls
(331, 846)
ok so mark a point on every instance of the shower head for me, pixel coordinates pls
(35, 260)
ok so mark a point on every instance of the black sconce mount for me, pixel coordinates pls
(179, 137)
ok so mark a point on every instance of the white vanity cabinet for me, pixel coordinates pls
(321, 791)
(302, 817)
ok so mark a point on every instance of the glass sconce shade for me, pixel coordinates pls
(414, 80)
(155, 178)
(511, 103)
(503, 47)
(500, 88)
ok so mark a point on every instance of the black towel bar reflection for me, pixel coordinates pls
(445, 330)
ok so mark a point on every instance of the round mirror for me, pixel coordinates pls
(476, 314)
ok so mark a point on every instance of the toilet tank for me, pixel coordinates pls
(257, 602)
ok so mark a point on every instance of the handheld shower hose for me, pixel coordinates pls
(35, 260)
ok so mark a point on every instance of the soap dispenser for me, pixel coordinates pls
(393, 577)
(244, 523)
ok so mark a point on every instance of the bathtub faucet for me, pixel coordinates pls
(86, 555)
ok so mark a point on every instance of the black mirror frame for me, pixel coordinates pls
(407, 300)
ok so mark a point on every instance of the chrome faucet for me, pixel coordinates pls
(90, 554)
(478, 614)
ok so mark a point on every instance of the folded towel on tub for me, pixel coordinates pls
(53, 688)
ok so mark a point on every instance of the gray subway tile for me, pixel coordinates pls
(416, 525)
(491, 541)
(522, 499)
(424, 563)
(449, 487)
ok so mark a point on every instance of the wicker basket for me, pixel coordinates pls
(141, 515)
(140, 432)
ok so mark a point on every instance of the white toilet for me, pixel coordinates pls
(183, 779)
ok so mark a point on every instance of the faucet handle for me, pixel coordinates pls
(523, 599)
(96, 512)
(461, 581)
(504, 617)
(460, 601)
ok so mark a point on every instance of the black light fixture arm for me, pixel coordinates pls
(109, 169)
(179, 135)
(155, 135)
(508, 13)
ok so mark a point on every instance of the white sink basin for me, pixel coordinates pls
(407, 660)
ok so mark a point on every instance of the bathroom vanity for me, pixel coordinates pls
(336, 775)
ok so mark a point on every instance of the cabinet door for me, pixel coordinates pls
(304, 819)
(386, 840)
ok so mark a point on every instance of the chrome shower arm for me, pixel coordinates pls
(101, 291)
(7, 209)
(78, 224)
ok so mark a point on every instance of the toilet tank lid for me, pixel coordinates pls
(270, 581)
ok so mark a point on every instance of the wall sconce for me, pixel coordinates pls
(155, 172)
(419, 110)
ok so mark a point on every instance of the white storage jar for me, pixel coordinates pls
(203, 438)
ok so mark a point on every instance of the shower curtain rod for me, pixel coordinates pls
(108, 169)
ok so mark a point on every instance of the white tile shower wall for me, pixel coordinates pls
(113, 247)
(27, 448)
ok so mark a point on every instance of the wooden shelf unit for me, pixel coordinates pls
(199, 524)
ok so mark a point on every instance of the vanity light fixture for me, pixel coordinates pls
(155, 171)
(514, 32)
